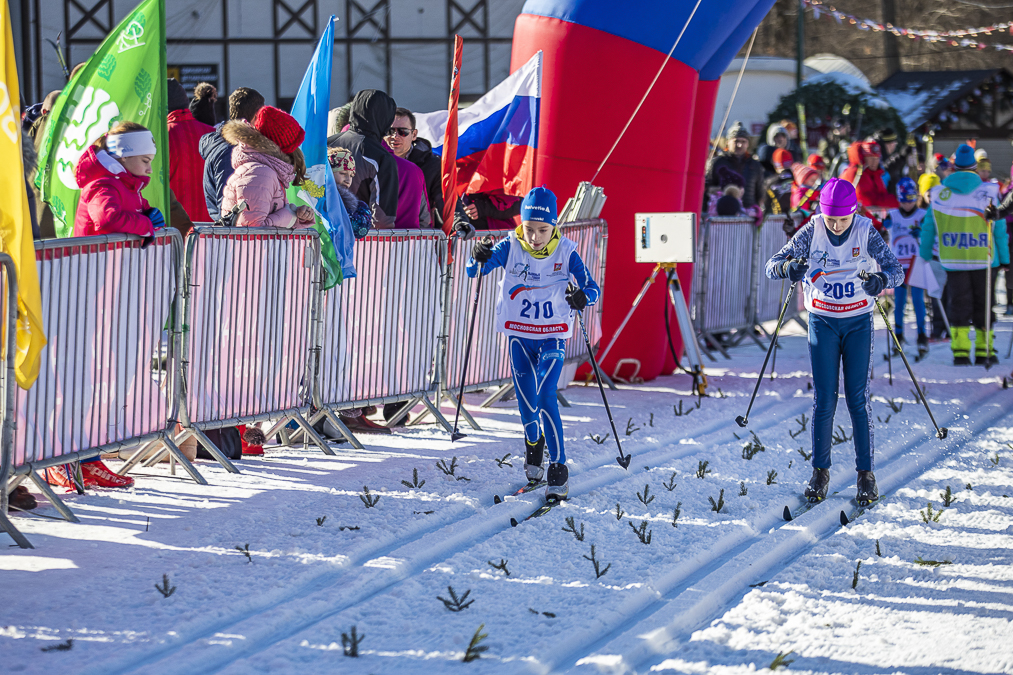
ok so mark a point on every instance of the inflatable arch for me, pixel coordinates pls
(599, 58)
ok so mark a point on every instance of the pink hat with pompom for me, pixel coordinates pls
(838, 198)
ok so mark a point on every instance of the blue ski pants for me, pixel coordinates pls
(834, 342)
(900, 299)
(536, 366)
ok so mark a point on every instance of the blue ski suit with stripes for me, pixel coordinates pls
(536, 363)
(839, 342)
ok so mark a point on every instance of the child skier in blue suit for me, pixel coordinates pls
(535, 311)
(828, 255)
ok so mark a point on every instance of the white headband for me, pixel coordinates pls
(131, 144)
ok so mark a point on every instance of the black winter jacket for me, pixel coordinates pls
(747, 167)
(217, 154)
(375, 181)
(422, 156)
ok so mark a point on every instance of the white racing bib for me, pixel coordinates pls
(832, 286)
(903, 244)
(532, 295)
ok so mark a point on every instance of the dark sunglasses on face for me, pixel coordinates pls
(400, 131)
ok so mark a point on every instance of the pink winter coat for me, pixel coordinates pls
(111, 198)
(262, 174)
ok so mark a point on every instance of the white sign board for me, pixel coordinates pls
(665, 237)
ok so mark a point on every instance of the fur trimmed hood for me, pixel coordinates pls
(239, 133)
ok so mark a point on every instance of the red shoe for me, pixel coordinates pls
(57, 475)
(99, 475)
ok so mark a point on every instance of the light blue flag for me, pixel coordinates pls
(319, 191)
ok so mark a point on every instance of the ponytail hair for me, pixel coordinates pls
(298, 160)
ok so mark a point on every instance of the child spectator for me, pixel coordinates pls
(266, 159)
(343, 167)
(112, 174)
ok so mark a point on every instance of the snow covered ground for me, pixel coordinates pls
(707, 591)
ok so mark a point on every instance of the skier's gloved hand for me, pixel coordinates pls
(916, 232)
(991, 213)
(575, 298)
(874, 284)
(795, 270)
(155, 216)
(465, 230)
(482, 252)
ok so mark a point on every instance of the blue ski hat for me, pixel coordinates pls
(907, 191)
(963, 158)
(539, 205)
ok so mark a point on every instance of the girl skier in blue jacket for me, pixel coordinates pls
(827, 255)
(535, 311)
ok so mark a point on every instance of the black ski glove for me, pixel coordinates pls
(794, 270)
(465, 230)
(575, 298)
(991, 213)
(874, 284)
(482, 251)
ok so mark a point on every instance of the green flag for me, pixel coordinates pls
(124, 80)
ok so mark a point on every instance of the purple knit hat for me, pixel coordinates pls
(838, 198)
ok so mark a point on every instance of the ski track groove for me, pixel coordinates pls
(698, 595)
(460, 538)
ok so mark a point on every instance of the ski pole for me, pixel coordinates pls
(889, 354)
(622, 460)
(467, 349)
(988, 298)
(743, 420)
(940, 431)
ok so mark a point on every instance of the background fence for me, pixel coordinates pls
(730, 290)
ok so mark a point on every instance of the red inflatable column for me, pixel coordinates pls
(592, 81)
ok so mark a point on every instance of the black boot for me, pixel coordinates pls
(559, 485)
(867, 490)
(533, 459)
(818, 485)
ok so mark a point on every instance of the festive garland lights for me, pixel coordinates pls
(820, 8)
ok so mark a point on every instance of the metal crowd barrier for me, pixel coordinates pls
(730, 290)
(380, 339)
(8, 343)
(101, 385)
(251, 304)
(247, 335)
(493, 371)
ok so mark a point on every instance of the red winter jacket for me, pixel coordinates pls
(186, 166)
(111, 198)
(871, 189)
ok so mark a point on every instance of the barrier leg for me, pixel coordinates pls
(467, 416)
(335, 420)
(435, 410)
(312, 434)
(405, 410)
(211, 447)
(13, 483)
(40, 482)
(9, 528)
(716, 344)
(497, 396)
(190, 468)
(135, 458)
(562, 399)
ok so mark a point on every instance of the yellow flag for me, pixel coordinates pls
(15, 219)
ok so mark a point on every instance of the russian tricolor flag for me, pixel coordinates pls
(497, 135)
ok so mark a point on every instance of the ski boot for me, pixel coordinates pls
(816, 491)
(923, 346)
(533, 459)
(867, 490)
(559, 485)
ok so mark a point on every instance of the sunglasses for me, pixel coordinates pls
(400, 131)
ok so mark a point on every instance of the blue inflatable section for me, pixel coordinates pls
(656, 23)
(739, 37)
